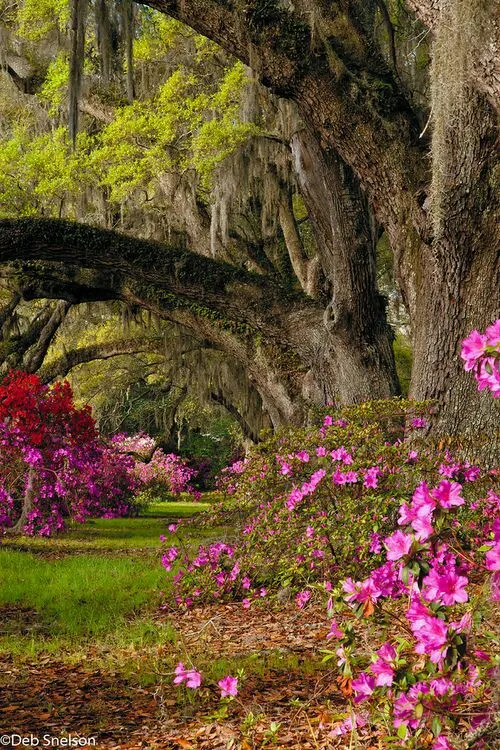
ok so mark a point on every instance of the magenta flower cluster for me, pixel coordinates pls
(433, 579)
(481, 354)
(153, 468)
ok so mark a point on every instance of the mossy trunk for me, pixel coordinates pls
(356, 358)
(457, 289)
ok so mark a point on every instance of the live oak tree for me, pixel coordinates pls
(362, 164)
(136, 371)
(442, 222)
(364, 351)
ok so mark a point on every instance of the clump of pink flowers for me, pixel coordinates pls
(481, 354)
(152, 467)
(191, 677)
(228, 686)
(418, 531)
(53, 463)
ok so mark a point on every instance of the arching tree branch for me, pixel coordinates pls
(61, 366)
(83, 263)
(33, 358)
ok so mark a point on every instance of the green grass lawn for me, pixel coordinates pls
(100, 582)
(93, 595)
(113, 533)
(79, 595)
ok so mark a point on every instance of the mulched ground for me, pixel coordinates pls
(51, 697)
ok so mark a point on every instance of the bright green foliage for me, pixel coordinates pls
(158, 33)
(218, 137)
(55, 84)
(37, 174)
(186, 120)
(182, 127)
(37, 18)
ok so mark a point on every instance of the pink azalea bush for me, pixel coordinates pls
(312, 505)
(427, 680)
(158, 474)
(419, 532)
(431, 681)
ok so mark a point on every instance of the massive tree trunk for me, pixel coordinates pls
(458, 287)
(324, 57)
(357, 349)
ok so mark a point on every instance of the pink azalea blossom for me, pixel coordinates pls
(228, 686)
(347, 724)
(363, 687)
(441, 743)
(384, 673)
(422, 527)
(429, 631)
(398, 545)
(422, 503)
(191, 677)
(493, 334)
(406, 514)
(341, 657)
(448, 494)
(302, 598)
(371, 477)
(445, 587)
(473, 347)
(383, 668)
(493, 557)
(335, 631)
(375, 545)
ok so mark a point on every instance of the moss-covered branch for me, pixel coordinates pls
(60, 367)
(88, 260)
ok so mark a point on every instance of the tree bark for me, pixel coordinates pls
(33, 359)
(27, 506)
(248, 432)
(274, 333)
(458, 289)
(28, 350)
(61, 366)
(357, 337)
(352, 103)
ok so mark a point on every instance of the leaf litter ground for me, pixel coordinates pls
(288, 700)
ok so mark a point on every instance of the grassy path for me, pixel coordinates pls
(87, 649)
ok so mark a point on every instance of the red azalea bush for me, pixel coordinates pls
(53, 465)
